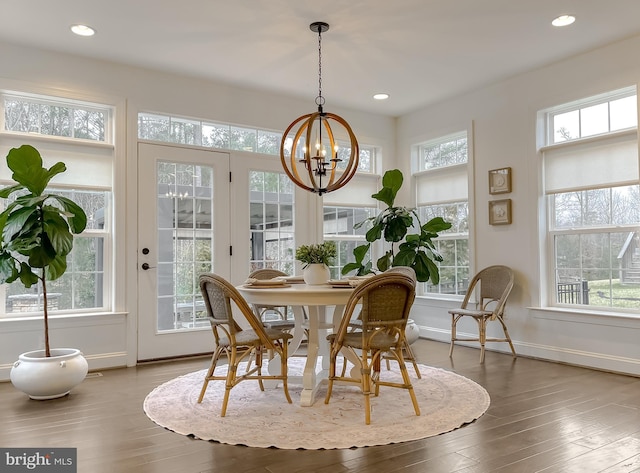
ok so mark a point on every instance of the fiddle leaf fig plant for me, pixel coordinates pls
(37, 227)
(393, 224)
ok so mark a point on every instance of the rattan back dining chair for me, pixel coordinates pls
(267, 312)
(408, 353)
(236, 343)
(490, 289)
(385, 301)
(406, 347)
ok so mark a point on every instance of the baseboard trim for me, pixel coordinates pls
(586, 359)
(96, 362)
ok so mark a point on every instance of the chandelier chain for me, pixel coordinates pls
(320, 98)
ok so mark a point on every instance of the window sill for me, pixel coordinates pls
(68, 316)
(598, 317)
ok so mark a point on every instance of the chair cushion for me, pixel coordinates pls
(471, 312)
(250, 337)
(382, 341)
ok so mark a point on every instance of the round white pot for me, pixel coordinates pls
(49, 378)
(315, 274)
(411, 331)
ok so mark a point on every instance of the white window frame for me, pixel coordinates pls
(547, 144)
(454, 176)
(77, 147)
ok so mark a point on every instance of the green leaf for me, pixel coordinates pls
(7, 191)
(395, 229)
(366, 269)
(436, 225)
(20, 223)
(27, 277)
(8, 271)
(57, 267)
(405, 257)
(360, 252)
(393, 179)
(374, 233)
(422, 267)
(76, 217)
(384, 262)
(57, 231)
(40, 256)
(347, 268)
(26, 164)
(391, 183)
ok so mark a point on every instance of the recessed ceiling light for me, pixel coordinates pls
(563, 20)
(83, 30)
(381, 96)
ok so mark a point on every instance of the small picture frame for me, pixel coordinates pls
(500, 181)
(500, 212)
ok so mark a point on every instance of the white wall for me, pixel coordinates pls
(503, 117)
(109, 340)
(504, 121)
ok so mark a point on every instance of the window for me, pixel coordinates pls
(442, 190)
(593, 202)
(338, 226)
(271, 201)
(54, 118)
(81, 287)
(78, 126)
(156, 127)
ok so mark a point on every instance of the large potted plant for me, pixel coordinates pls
(392, 224)
(36, 235)
(315, 261)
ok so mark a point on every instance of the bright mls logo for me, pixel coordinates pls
(46, 460)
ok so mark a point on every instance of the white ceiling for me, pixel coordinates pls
(418, 51)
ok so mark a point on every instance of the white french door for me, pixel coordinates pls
(183, 231)
(192, 220)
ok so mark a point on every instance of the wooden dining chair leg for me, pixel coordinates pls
(332, 375)
(507, 336)
(232, 372)
(411, 357)
(365, 374)
(454, 322)
(482, 329)
(283, 371)
(214, 361)
(409, 386)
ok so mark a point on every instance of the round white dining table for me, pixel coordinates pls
(316, 299)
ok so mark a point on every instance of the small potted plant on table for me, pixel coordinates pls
(315, 261)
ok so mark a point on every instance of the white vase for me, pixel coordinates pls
(42, 377)
(411, 331)
(315, 274)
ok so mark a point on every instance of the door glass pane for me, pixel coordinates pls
(271, 221)
(185, 243)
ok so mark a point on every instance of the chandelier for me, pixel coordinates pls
(308, 152)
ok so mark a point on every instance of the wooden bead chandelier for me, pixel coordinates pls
(308, 150)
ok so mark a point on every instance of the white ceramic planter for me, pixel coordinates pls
(315, 274)
(411, 331)
(48, 378)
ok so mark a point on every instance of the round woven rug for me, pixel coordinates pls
(265, 419)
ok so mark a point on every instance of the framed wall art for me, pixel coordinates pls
(500, 212)
(500, 181)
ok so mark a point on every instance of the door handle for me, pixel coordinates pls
(146, 266)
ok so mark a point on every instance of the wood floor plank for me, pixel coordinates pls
(543, 417)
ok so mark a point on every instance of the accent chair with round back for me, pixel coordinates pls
(490, 288)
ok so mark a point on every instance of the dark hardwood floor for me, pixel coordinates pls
(543, 417)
